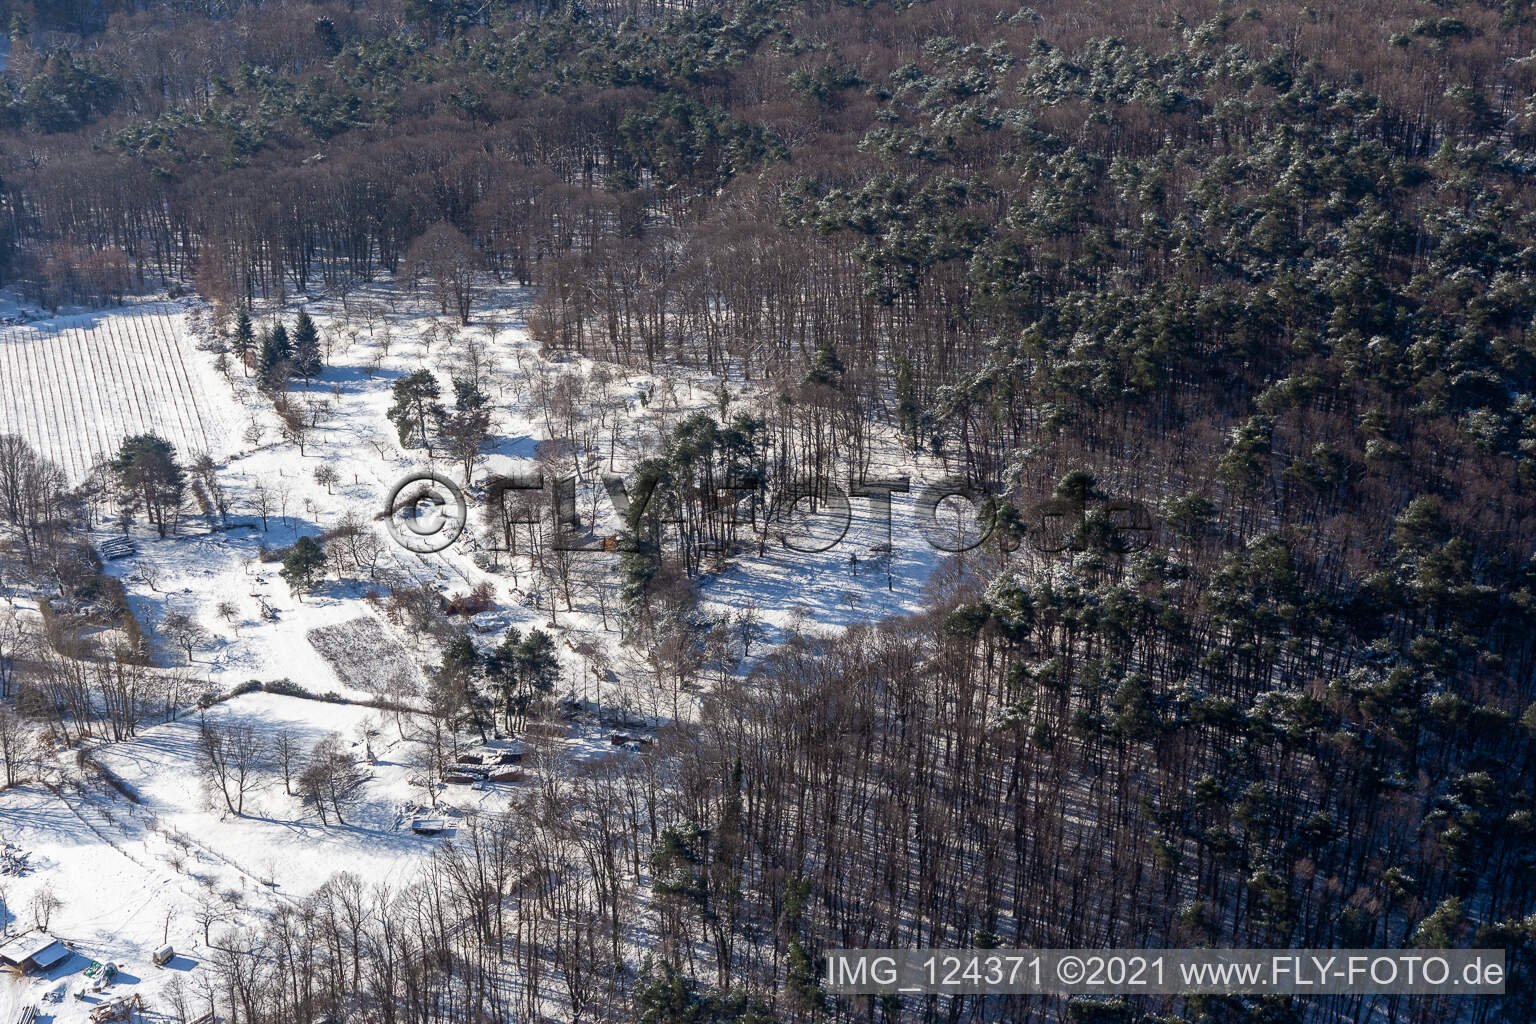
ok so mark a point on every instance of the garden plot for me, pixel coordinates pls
(365, 657)
(75, 386)
(255, 627)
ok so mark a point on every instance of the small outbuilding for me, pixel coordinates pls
(34, 951)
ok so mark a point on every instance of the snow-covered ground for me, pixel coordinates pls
(76, 385)
(177, 868)
(133, 876)
(197, 570)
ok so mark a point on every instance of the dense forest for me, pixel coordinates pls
(1270, 271)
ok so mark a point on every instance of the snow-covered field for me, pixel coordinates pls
(75, 386)
(177, 868)
(267, 637)
(133, 876)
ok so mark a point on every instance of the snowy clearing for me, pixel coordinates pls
(177, 865)
(77, 385)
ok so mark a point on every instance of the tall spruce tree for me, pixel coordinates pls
(306, 348)
(276, 355)
(244, 342)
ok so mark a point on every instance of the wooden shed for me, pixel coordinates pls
(34, 951)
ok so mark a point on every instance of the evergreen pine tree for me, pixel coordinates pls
(503, 666)
(306, 348)
(460, 657)
(540, 666)
(149, 475)
(459, 671)
(325, 32)
(276, 355)
(416, 401)
(826, 369)
(304, 565)
(244, 343)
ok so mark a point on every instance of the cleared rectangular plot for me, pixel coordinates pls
(76, 386)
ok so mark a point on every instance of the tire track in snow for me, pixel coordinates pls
(108, 411)
(83, 381)
(193, 394)
(167, 406)
(47, 406)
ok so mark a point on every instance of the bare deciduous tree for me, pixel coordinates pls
(231, 756)
(332, 778)
(44, 904)
(185, 631)
(16, 748)
(450, 265)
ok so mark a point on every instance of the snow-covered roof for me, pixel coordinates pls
(35, 948)
(56, 953)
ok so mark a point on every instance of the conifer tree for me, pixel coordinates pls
(415, 403)
(149, 475)
(306, 348)
(304, 565)
(244, 343)
(458, 674)
(465, 430)
(276, 355)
